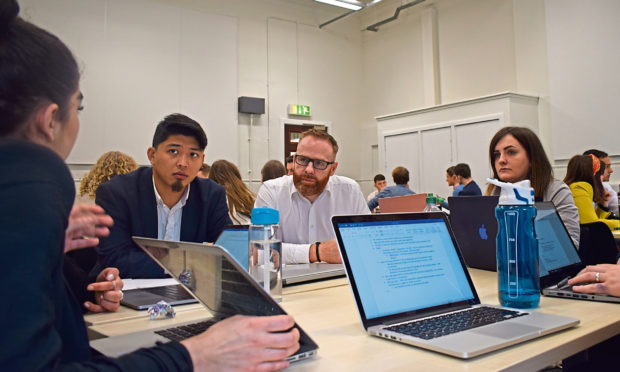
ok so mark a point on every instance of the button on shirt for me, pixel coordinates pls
(169, 219)
(304, 223)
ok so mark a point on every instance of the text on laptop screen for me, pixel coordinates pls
(235, 241)
(555, 247)
(404, 265)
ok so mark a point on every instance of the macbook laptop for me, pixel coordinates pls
(475, 227)
(411, 285)
(221, 284)
(406, 203)
(559, 259)
(235, 240)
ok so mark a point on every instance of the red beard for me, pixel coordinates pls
(305, 189)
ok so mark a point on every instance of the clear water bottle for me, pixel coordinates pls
(431, 203)
(517, 246)
(265, 250)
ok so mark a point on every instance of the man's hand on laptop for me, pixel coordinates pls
(604, 278)
(86, 224)
(245, 343)
(328, 252)
(107, 290)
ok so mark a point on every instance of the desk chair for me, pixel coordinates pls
(401, 204)
(597, 244)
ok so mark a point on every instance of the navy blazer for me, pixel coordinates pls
(130, 200)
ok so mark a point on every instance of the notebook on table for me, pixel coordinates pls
(559, 259)
(475, 227)
(233, 237)
(411, 285)
(221, 284)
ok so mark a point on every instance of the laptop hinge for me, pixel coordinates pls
(425, 314)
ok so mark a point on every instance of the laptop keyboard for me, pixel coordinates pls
(182, 332)
(455, 322)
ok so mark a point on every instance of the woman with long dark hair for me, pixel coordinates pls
(240, 198)
(516, 154)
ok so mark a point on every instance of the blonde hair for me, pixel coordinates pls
(110, 164)
(240, 198)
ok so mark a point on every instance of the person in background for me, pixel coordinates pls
(400, 175)
(380, 184)
(240, 199)
(516, 154)
(203, 172)
(39, 103)
(272, 169)
(165, 201)
(607, 171)
(309, 199)
(453, 181)
(583, 176)
(463, 173)
(110, 164)
(289, 165)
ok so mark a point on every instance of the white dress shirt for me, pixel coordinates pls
(613, 202)
(169, 219)
(304, 223)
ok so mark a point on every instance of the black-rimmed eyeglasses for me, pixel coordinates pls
(316, 163)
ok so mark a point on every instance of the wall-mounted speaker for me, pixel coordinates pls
(251, 105)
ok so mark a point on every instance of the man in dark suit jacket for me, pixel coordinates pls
(165, 201)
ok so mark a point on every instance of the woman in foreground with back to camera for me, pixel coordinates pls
(516, 154)
(42, 325)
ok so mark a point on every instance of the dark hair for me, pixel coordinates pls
(400, 175)
(450, 171)
(36, 68)
(462, 170)
(240, 198)
(379, 177)
(598, 153)
(322, 135)
(272, 169)
(289, 159)
(540, 172)
(179, 124)
(204, 168)
(580, 169)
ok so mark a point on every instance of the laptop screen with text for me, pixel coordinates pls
(555, 247)
(404, 265)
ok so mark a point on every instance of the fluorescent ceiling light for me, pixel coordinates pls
(341, 4)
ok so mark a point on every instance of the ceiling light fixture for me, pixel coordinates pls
(352, 5)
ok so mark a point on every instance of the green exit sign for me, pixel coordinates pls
(300, 110)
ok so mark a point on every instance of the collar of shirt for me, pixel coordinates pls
(169, 219)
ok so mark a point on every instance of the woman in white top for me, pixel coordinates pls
(240, 199)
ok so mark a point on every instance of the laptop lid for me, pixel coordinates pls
(403, 266)
(474, 224)
(400, 204)
(221, 283)
(235, 239)
(557, 252)
(303, 273)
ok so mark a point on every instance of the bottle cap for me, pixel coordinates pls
(518, 193)
(430, 199)
(265, 216)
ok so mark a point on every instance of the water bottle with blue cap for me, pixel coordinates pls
(517, 247)
(265, 250)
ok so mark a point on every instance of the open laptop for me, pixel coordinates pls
(410, 283)
(221, 284)
(406, 203)
(559, 259)
(235, 240)
(475, 227)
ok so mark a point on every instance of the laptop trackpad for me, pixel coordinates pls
(507, 330)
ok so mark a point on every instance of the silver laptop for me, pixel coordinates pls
(411, 285)
(234, 239)
(221, 284)
(559, 259)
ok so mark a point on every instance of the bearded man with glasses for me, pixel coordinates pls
(309, 198)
